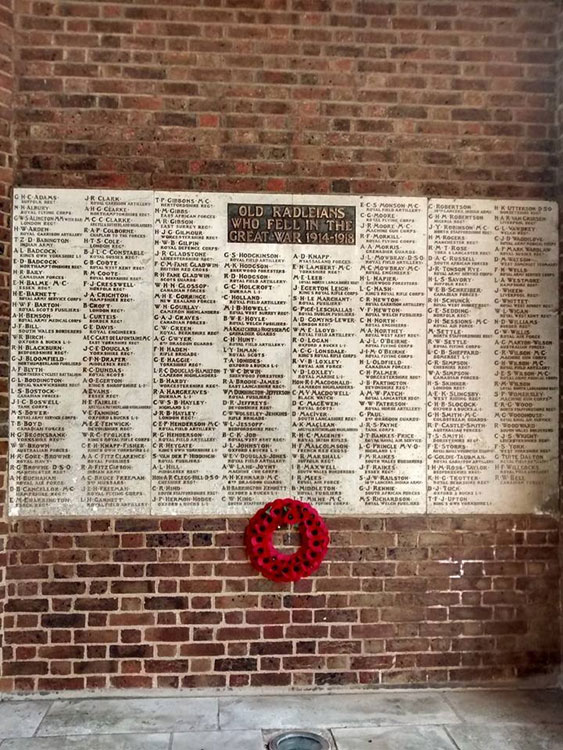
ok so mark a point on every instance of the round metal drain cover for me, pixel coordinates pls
(297, 740)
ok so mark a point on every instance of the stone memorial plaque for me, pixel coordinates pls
(204, 353)
(493, 387)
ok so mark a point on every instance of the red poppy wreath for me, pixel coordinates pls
(276, 565)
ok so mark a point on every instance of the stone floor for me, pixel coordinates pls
(385, 720)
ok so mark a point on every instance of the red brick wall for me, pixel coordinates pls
(435, 98)
(6, 180)
(559, 104)
(559, 158)
(172, 602)
(405, 97)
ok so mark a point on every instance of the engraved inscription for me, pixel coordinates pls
(295, 224)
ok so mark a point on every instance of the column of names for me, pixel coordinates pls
(325, 360)
(188, 371)
(460, 352)
(257, 346)
(392, 336)
(116, 389)
(526, 389)
(47, 450)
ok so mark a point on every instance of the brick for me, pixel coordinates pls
(236, 665)
(132, 587)
(167, 602)
(97, 541)
(95, 666)
(168, 634)
(272, 680)
(95, 571)
(130, 652)
(60, 683)
(102, 604)
(27, 572)
(336, 678)
(26, 605)
(63, 621)
(238, 634)
(26, 668)
(168, 540)
(470, 114)
(61, 652)
(163, 666)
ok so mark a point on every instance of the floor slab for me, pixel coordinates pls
(134, 715)
(491, 737)
(21, 718)
(383, 709)
(392, 738)
(514, 706)
(245, 740)
(118, 742)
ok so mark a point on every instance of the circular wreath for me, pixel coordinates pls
(276, 565)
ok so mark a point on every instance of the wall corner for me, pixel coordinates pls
(7, 79)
